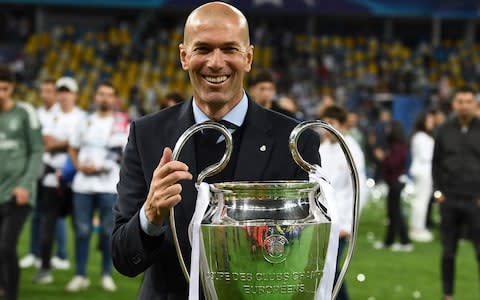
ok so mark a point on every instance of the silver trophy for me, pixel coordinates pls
(265, 240)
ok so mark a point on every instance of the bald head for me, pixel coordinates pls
(216, 14)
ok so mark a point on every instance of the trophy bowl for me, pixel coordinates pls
(265, 239)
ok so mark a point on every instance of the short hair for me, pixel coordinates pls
(49, 81)
(176, 97)
(335, 112)
(262, 76)
(464, 89)
(107, 84)
(6, 74)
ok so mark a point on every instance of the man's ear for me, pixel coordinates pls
(183, 56)
(249, 58)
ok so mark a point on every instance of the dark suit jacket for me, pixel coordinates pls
(135, 252)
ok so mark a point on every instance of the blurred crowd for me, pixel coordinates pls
(302, 76)
(355, 70)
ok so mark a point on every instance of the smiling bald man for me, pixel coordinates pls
(216, 52)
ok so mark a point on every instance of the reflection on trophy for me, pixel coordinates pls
(267, 240)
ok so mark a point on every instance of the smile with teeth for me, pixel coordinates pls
(216, 79)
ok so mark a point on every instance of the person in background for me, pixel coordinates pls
(353, 128)
(46, 112)
(392, 166)
(262, 88)
(21, 153)
(327, 100)
(290, 106)
(96, 150)
(56, 195)
(421, 151)
(171, 99)
(455, 170)
(335, 165)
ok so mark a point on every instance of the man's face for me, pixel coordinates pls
(216, 56)
(335, 124)
(66, 98)
(464, 105)
(48, 94)
(104, 98)
(6, 89)
(263, 92)
(352, 120)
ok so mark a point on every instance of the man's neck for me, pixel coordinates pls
(268, 104)
(6, 105)
(217, 112)
(48, 106)
(67, 109)
(104, 113)
(465, 120)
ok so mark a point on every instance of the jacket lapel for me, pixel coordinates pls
(256, 145)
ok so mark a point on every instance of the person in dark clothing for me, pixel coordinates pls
(262, 88)
(392, 167)
(455, 170)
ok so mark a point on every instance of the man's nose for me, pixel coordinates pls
(216, 59)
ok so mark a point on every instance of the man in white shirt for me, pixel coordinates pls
(96, 150)
(335, 165)
(45, 113)
(55, 195)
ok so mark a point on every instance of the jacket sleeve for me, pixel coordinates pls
(34, 149)
(133, 251)
(437, 161)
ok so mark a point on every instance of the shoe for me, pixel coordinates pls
(78, 283)
(43, 277)
(108, 284)
(421, 235)
(402, 247)
(60, 264)
(29, 261)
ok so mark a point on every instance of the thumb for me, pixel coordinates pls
(166, 156)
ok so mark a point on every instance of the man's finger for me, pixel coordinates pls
(166, 157)
(174, 177)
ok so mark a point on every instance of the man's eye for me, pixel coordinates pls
(201, 49)
(229, 49)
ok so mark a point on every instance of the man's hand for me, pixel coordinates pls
(164, 189)
(379, 154)
(21, 196)
(50, 143)
(439, 196)
(88, 169)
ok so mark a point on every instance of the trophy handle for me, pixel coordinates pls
(296, 132)
(207, 172)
